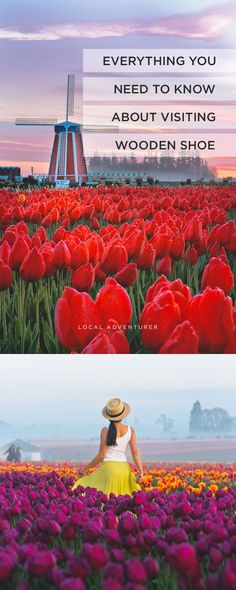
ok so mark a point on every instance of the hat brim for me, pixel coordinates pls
(125, 413)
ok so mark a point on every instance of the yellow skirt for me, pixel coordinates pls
(111, 477)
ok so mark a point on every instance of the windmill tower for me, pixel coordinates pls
(67, 159)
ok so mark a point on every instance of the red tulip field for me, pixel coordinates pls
(177, 533)
(118, 270)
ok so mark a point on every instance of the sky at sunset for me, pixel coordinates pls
(41, 42)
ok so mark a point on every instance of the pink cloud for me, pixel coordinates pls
(207, 24)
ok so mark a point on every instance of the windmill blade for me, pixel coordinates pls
(28, 121)
(70, 95)
(100, 129)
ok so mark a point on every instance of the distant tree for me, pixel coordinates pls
(166, 424)
(214, 420)
(217, 420)
(164, 167)
(195, 422)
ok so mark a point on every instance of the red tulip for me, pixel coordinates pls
(5, 276)
(61, 255)
(158, 319)
(232, 244)
(95, 223)
(47, 220)
(164, 266)
(59, 234)
(134, 243)
(183, 340)
(214, 250)
(76, 319)
(218, 274)
(161, 244)
(10, 235)
(83, 277)
(181, 292)
(100, 345)
(193, 230)
(111, 340)
(201, 245)
(18, 252)
(117, 337)
(93, 249)
(191, 256)
(115, 259)
(127, 276)
(89, 211)
(211, 315)
(146, 259)
(5, 251)
(231, 346)
(223, 255)
(36, 241)
(100, 276)
(47, 256)
(33, 266)
(113, 302)
(42, 234)
(176, 249)
(79, 255)
(211, 238)
(225, 232)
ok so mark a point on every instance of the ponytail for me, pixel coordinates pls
(111, 435)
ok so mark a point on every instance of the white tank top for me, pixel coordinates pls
(118, 452)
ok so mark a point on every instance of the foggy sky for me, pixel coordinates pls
(72, 389)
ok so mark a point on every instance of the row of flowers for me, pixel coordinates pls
(156, 274)
(51, 537)
(167, 477)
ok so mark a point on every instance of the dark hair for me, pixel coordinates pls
(111, 435)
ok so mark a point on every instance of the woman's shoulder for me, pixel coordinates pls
(104, 431)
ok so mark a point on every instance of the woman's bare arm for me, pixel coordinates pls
(101, 453)
(135, 453)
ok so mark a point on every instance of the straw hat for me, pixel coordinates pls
(116, 410)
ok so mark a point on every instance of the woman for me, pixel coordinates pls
(114, 474)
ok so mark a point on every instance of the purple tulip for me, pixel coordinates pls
(183, 557)
(115, 571)
(96, 555)
(135, 570)
(72, 584)
(152, 568)
(111, 584)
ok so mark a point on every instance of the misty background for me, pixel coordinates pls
(61, 397)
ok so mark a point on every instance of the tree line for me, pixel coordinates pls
(202, 421)
(178, 168)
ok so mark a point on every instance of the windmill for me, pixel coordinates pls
(67, 159)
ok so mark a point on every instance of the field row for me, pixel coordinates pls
(118, 270)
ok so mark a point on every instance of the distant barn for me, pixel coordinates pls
(28, 451)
